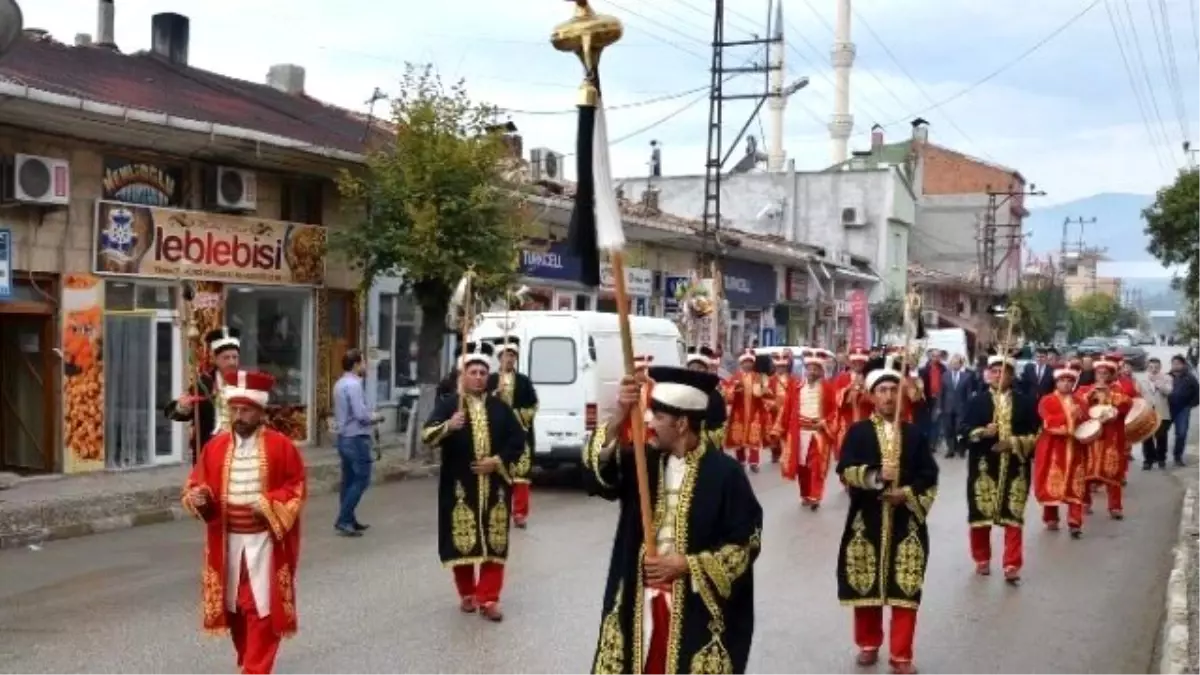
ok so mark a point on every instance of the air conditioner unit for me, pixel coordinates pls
(852, 217)
(31, 179)
(546, 164)
(930, 317)
(235, 189)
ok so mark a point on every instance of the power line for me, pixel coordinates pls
(1166, 54)
(1137, 97)
(1141, 60)
(621, 106)
(917, 85)
(993, 74)
(666, 27)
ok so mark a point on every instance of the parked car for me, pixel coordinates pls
(1135, 356)
(1092, 345)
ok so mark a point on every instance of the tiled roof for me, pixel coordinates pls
(148, 82)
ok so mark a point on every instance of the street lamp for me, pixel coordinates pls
(11, 24)
(794, 87)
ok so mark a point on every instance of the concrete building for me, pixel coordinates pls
(127, 177)
(953, 196)
(1080, 277)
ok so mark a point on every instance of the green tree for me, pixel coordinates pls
(1187, 326)
(1173, 225)
(887, 314)
(434, 204)
(1093, 314)
(1037, 307)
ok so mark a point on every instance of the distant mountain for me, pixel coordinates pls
(1118, 227)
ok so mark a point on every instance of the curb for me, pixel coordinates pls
(1175, 634)
(322, 479)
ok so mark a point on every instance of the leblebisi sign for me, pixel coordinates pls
(162, 242)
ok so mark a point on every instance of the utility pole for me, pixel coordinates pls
(719, 151)
(987, 265)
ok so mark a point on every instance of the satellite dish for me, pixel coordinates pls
(12, 22)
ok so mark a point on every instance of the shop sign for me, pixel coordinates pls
(671, 286)
(6, 280)
(842, 307)
(748, 284)
(859, 319)
(797, 285)
(141, 183)
(638, 280)
(555, 263)
(160, 242)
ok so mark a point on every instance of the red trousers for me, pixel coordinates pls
(520, 502)
(1014, 545)
(254, 637)
(486, 590)
(868, 631)
(753, 452)
(660, 633)
(1074, 515)
(811, 476)
(1115, 495)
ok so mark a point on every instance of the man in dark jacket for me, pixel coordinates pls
(1181, 400)
(958, 384)
(1037, 379)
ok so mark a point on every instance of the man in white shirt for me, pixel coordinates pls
(1154, 386)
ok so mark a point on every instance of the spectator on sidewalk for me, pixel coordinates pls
(1154, 386)
(354, 423)
(1183, 397)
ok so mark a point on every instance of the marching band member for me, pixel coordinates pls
(1108, 455)
(704, 359)
(1060, 460)
(851, 396)
(249, 487)
(812, 425)
(747, 394)
(517, 390)
(892, 480)
(1001, 430)
(481, 444)
(224, 348)
(781, 385)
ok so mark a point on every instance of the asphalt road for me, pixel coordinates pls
(128, 601)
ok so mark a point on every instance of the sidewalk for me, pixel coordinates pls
(1179, 636)
(45, 508)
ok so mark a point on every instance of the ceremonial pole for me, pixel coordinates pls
(596, 220)
(912, 306)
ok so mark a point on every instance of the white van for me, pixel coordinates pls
(575, 362)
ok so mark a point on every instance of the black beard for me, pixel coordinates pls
(245, 429)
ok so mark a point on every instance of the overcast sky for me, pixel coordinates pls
(1065, 115)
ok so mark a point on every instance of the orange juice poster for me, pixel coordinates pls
(83, 373)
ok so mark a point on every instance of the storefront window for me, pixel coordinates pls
(395, 366)
(275, 337)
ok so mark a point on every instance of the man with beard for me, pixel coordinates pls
(852, 399)
(205, 397)
(892, 479)
(249, 487)
(811, 422)
(688, 606)
(1001, 427)
(517, 390)
(481, 443)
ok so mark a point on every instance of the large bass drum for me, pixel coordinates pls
(1141, 422)
(1088, 431)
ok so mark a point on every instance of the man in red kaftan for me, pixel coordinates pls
(747, 394)
(781, 384)
(850, 396)
(1060, 461)
(1108, 457)
(248, 486)
(811, 425)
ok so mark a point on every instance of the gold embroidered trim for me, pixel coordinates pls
(462, 522)
(591, 454)
(727, 564)
(287, 592)
(861, 563)
(910, 562)
(712, 658)
(435, 434)
(498, 528)
(986, 493)
(213, 593)
(610, 653)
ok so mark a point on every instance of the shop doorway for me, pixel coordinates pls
(27, 391)
(144, 371)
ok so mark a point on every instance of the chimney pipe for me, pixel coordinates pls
(876, 138)
(920, 130)
(83, 40)
(169, 33)
(287, 78)
(104, 24)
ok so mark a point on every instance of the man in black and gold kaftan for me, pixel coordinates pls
(689, 606)
(517, 390)
(1000, 429)
(481, 444)
(891, 477)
